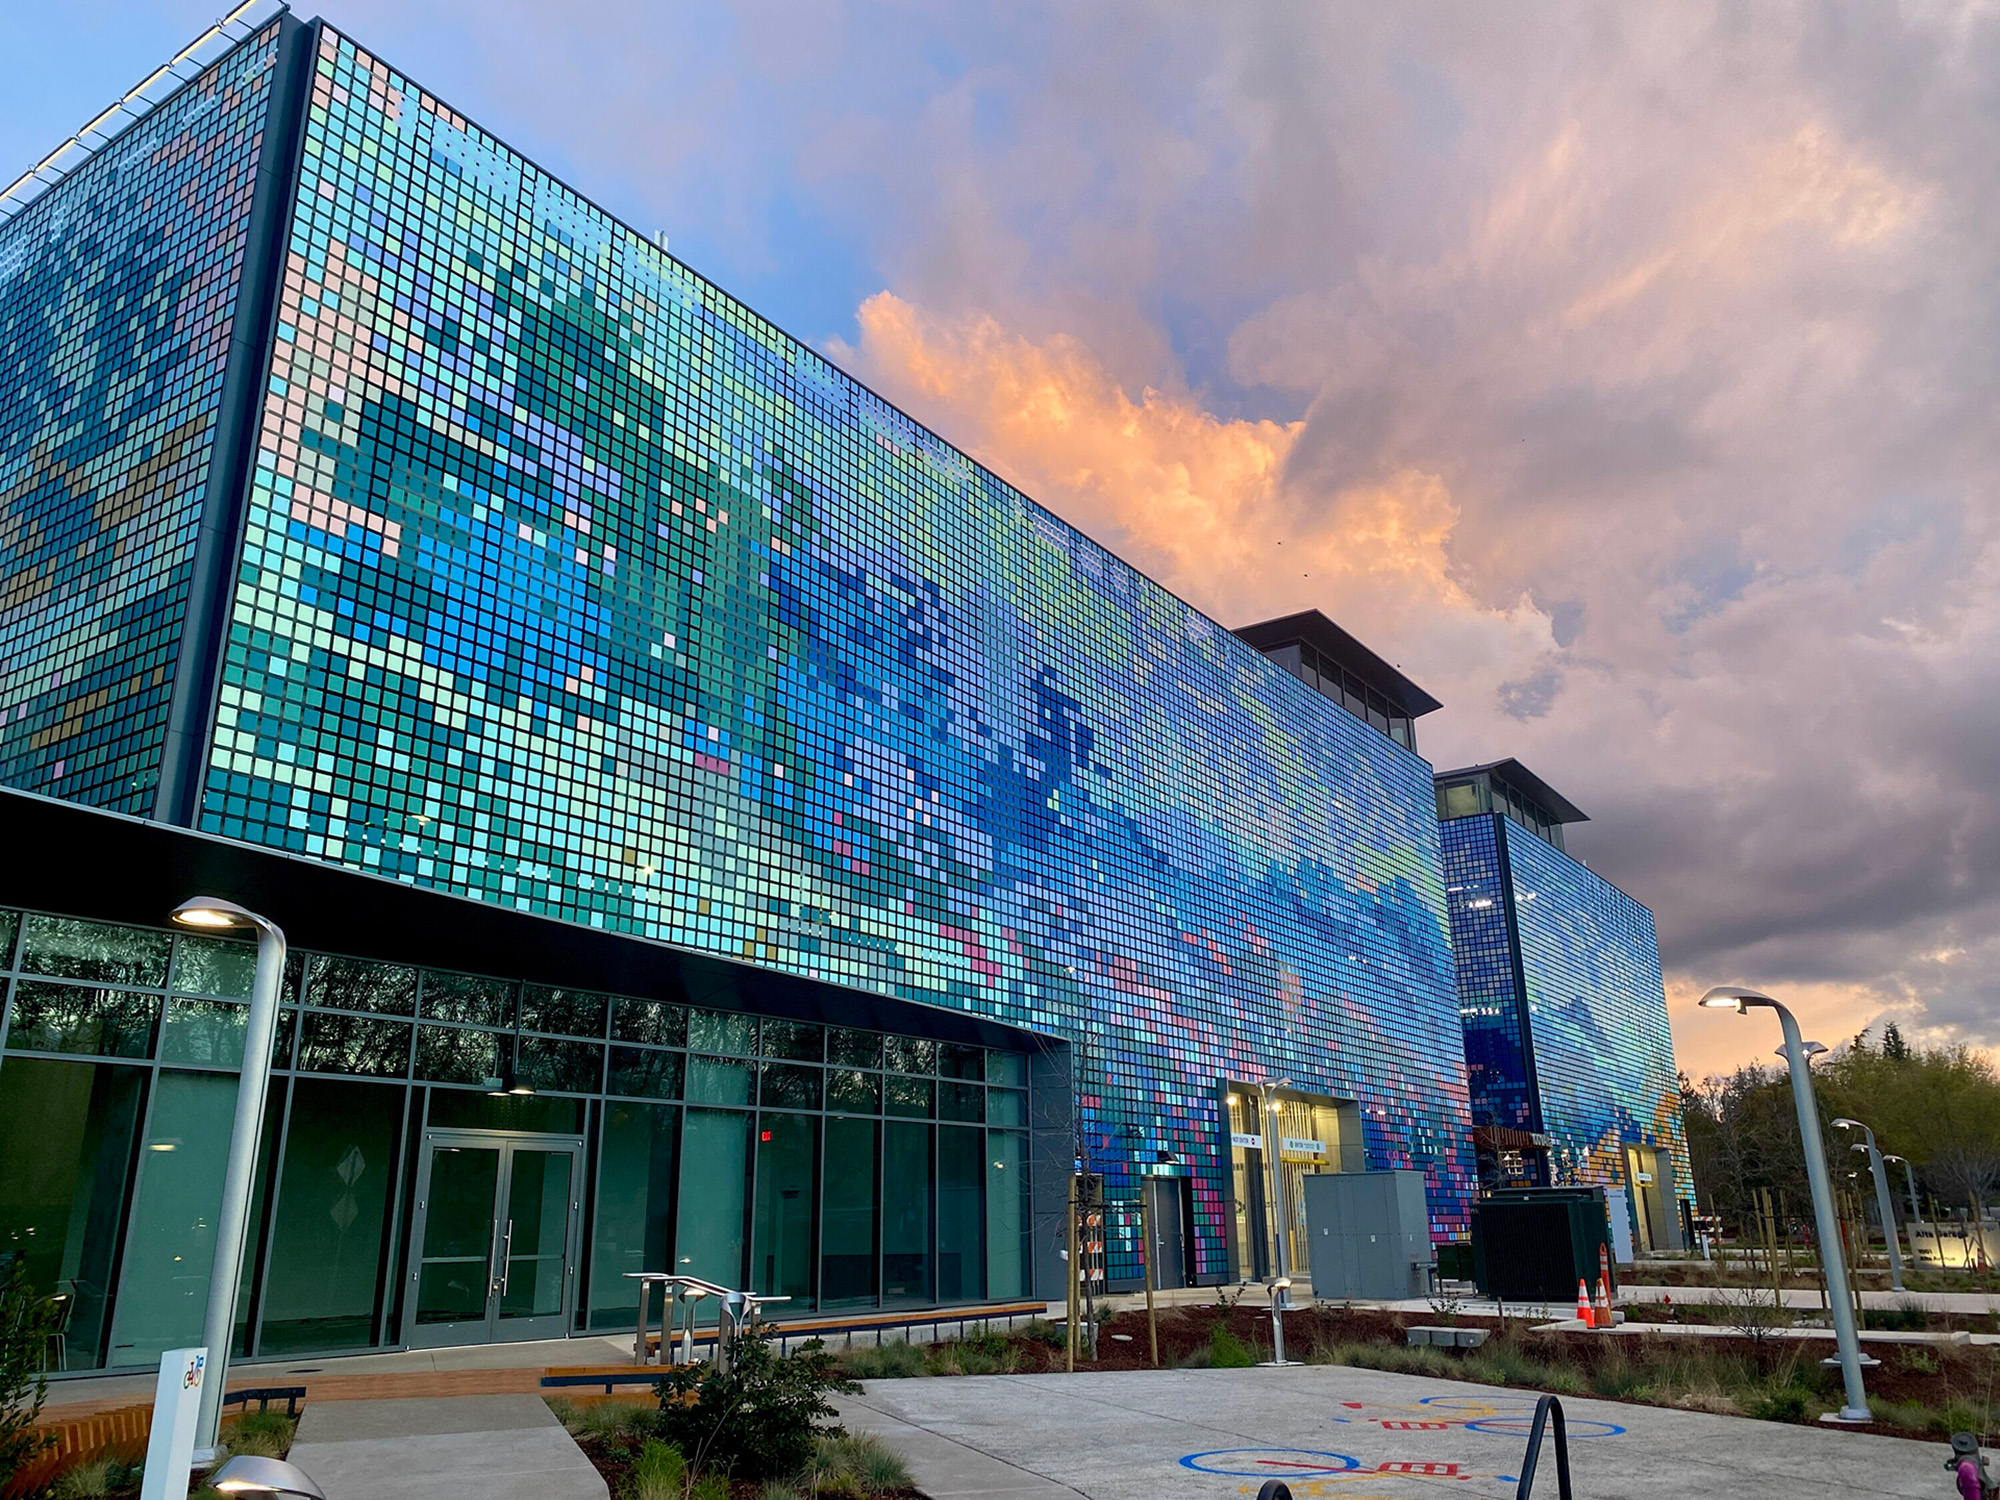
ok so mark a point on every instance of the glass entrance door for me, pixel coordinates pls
(492, 1241)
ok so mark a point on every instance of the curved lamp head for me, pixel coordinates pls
(1857, 1146)
(1886, 1156)
(1734, 997)
(213, 914)
(249, 1475)
(1843, 1123)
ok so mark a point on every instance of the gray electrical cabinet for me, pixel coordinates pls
(1370, 1235)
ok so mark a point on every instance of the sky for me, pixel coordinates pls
(1626, 374)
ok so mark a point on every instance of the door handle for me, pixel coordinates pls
(506, 1254)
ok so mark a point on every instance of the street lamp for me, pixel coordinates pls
(1812, 1050)
(1882, 1204)
(1267, 1096)
(1910, 1179)
(211, 914)
(247, 1474)
(1832, 1262)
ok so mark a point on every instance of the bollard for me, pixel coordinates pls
(1281, 1290)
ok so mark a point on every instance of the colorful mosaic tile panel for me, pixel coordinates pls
(1489, 1002)
(571, 584)
(1604, 1057)
(117, 300)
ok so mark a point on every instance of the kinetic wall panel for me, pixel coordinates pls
(118, 293)
(572, 584)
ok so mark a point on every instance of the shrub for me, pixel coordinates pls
(659, 1473)
(1779, 1404)
(889, 1362)
(261, 1434)
(760, 1418)
(984, 1340)
(710, 1486)
(94, 1480)
(1227, 1352)
(855, 1464)
(1907, 1315)
(1041, 1331)
(27, 1319)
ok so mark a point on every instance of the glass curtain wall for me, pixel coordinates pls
(840, 1168)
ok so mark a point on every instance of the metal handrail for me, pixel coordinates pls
(1543, 1408)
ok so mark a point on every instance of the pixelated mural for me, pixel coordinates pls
(1595, 1068)
(571, 584)
(117, 300)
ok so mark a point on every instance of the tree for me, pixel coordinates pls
(1893, 1046)
(27, 1319)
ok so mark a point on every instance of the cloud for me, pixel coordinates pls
(1201, 503)
(1624, 372)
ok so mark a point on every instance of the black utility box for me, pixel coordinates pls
(1536, 1244)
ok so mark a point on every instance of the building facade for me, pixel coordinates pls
(1569, 1057)
(376, 513)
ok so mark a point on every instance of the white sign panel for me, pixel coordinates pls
(1246, 1142)
(1303, 1146)
(176, 1410)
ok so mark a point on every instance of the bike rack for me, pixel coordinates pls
(734, 1310)
(1543, 1409)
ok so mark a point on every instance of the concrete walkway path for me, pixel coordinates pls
(443, 1448)
(1332, 1433)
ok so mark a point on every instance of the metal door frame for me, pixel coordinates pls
(489, 1328)
(1157, 1190)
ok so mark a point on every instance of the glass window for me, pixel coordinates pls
(1010, 1068)
(789, 1086)
(961, 1249)
(720, 1080)
(847, 1231)
(209, 1032)
(850, 1091)
(326, 1264)
(170, 1248)
(782, 1238)
(634, 1225)
(215, 967)
(350, 984)
(354, 1044)
(715, 1170)
(723, 1031)
(907, 1197)
(1006, 1107)
(1462, 800)
(567, 1067)
(451, 1054)
(653, 1021)
(73, 1018)
(473, 1002)
(796, 1040)
(908, 1054)
(646, 1073)
(961, 1062)
(476, 1109)
(8, 922)
(909, 1096)
(563, 1012)
(961, 1101)
(854, 1049)
(65, 949)
(1006, 1214)
(66, 1136)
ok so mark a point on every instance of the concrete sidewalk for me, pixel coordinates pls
(1331, 1432)
(450, 1448)
(1715, 1296)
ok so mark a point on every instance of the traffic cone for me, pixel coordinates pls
(1603, 1304)
(1584, 1314)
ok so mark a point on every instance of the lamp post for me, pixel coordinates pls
(209, 914)
(1267, 1097)
(1832, 1262)
(1883, 1205)
(1916, 1213)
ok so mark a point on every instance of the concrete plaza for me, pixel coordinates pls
(1334, 1433)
